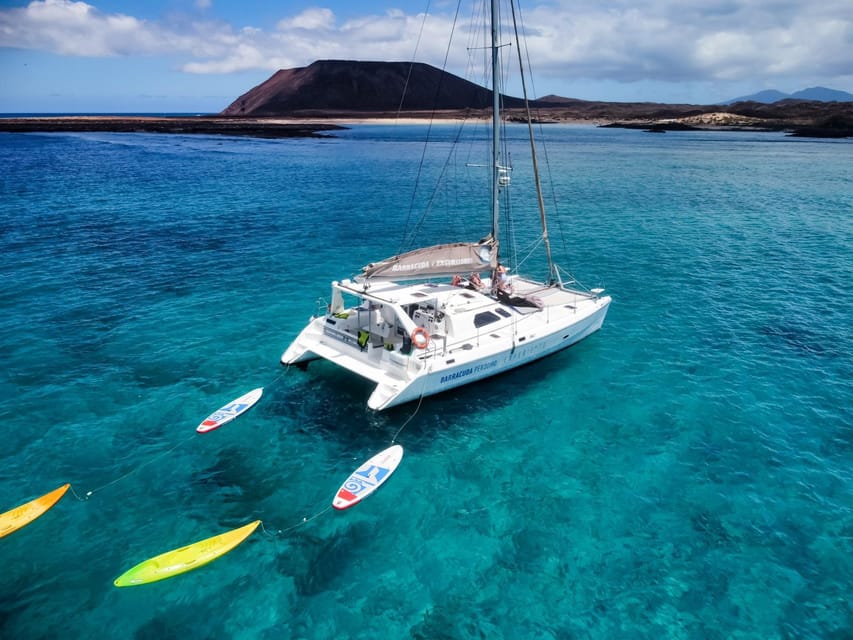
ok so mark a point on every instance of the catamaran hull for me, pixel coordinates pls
(445, 378)
(420, 375)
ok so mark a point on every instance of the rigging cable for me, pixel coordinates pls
(412, 62)
(551, 271)
(552, 192)
(408, 237)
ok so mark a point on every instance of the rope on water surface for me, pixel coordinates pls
(408, 420)
(132, 471)
(278, 377)
(414, 413)
(277, 532)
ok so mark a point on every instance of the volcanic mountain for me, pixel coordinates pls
(351, 86)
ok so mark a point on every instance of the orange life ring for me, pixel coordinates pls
(420, 338)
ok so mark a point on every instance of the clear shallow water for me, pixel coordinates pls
(684, 473)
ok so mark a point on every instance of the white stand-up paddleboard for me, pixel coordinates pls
(368, 477)
(233, 409)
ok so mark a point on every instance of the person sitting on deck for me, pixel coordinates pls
(503, 290)
(473, 282)
(502, 287)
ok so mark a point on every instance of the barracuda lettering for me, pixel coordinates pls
(467, 372)
(410, 267)
(442, 263)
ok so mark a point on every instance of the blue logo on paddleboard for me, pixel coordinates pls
(365, 479)
(374, 473)
(229, 411)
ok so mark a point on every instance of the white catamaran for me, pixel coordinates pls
(423, 322)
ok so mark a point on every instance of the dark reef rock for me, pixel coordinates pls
(256, 127)
(837, 126)
(654, 127)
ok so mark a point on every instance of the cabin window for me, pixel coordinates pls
(503, 312)
(484, 318)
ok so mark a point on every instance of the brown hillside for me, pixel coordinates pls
(352, 86)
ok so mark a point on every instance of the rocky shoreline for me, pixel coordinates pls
(250, 127)
(722, 121)
(317, 123)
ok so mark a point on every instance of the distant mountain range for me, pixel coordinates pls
(818, 94)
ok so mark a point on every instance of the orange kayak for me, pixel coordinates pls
(21, 516)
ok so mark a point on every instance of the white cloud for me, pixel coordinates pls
(79, 29)
(311, 19)
(612, 40)
(663, 40)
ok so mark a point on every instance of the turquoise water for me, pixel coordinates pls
(683, 473)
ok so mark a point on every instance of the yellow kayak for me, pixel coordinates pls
(186, 558)
(26, 513)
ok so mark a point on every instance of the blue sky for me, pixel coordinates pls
(199, 55)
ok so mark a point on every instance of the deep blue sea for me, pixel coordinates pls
(686, 472)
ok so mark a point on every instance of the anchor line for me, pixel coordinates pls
(415, 412)
(131, 472)
(278, 532)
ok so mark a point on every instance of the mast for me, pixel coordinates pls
(496, 121)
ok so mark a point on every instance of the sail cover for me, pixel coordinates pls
(438, 260)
